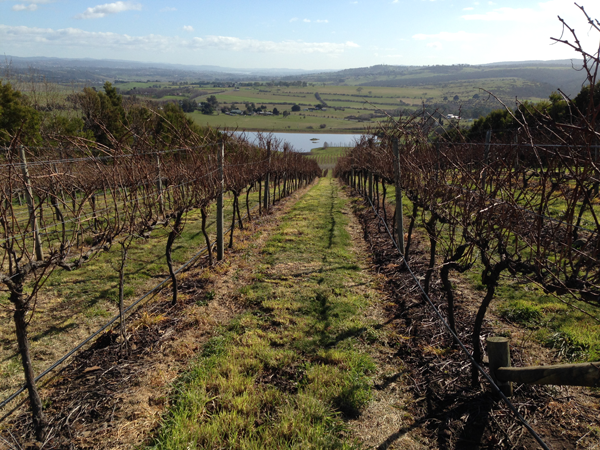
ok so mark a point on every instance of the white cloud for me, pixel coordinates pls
(469, 8)
(295, 19)
(97, 12)
(23, 7)
(252, 45)
(435, 45)
(460, 36)
(188, 28)
(29, 5)
(168, 9)
(74, 37)
(504, 15)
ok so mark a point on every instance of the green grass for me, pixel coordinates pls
(295, 122)
(286, 373)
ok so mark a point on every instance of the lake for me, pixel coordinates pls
(304, 142)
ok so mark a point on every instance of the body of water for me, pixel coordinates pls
(304, 142)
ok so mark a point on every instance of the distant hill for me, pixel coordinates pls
(542, 77)
(524, 79)
(88, 70)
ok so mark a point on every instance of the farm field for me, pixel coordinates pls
(310, 329)
(295, 122)
(316, 324)
(349, 108)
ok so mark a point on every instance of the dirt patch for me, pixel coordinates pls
(441, 409)
(111, 398)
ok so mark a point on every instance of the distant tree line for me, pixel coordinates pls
(103, 117)
(504, 122)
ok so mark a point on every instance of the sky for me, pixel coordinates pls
(296, 34)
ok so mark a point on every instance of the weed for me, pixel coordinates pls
(567, 346)
(520, 311)
(147, 320)
(214, 347)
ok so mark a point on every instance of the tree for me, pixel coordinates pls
(275, 112)
(16, 117)
(456, 98)
(359, 89)
(103, 114)
(188, 105)
(296, 108)
(206, 108)
(212, 100)
(286, 113)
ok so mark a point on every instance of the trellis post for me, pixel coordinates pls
(267, 193)
(399, 215)
(39, 254)
(220, 189)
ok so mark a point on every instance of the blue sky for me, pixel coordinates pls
(297, 34)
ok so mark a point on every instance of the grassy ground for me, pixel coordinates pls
(297, 122)
(286, 373)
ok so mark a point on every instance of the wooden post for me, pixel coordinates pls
(220, 188)
(371, 185)
(517, 151)
(437, 160)
(499, 354)
(486, 157)
(159, 187)
(584, 374)
(31, 207)
(596, 162)
(399, 215)
(352, 183)
(267, 193)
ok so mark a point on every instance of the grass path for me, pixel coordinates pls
(291, 372)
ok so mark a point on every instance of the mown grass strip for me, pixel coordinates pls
(288, 372)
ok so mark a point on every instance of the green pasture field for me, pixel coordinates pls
(294, 122)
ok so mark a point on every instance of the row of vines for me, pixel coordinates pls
(521, 201)
(61, 207)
